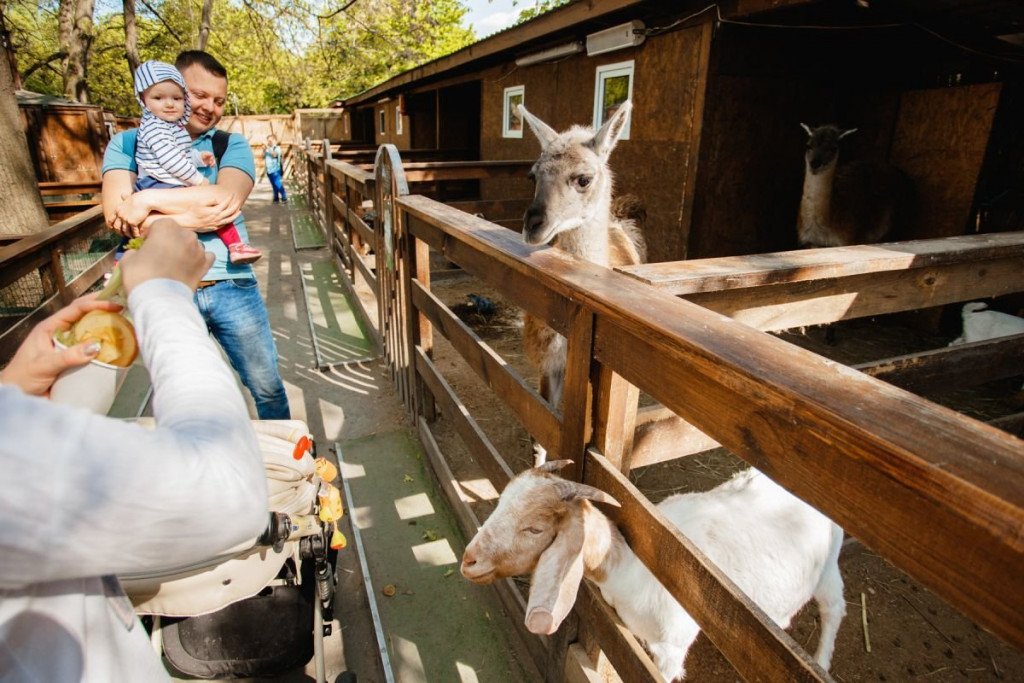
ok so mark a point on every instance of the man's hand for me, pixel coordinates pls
(208, 158)
(169, 252)
(37, 362)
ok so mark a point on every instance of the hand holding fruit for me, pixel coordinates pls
(37, 361)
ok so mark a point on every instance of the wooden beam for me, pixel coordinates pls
(785, 306)
(619, 645)
(962, 365)
(808, 265)
(493, 209)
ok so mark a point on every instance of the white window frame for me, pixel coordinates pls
(383, 122)
(612, 71)
(506, 112)
(398, 120)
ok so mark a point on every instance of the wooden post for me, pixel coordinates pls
(615, 409)
(328, 196)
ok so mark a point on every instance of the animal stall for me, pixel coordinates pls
(936, 493)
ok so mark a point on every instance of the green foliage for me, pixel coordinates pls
(540, 7)
(280, 54)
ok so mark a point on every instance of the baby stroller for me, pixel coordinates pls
(261, 610)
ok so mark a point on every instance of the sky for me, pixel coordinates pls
(489, 17)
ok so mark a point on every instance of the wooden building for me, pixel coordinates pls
(715, 149)
(67, 138)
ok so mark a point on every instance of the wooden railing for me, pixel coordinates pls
(38, 258)
(938, 494)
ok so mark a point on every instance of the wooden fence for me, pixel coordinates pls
(45, 271)
(938, 494)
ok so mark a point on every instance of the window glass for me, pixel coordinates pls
(512, 125)
(613, 87)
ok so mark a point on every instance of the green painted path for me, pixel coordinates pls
(437, 626)
(306, 234)
(339, 332)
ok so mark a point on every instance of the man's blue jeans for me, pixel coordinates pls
(237, 317)
(275, 182)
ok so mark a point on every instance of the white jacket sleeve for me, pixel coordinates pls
(84, 495)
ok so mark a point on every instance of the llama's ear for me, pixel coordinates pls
(807, 128)
(847, 132)
(556, 579)
(545, 133)
(608, 135)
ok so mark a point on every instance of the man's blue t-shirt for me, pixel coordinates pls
(238, 155)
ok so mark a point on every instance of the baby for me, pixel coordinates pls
(163, 150)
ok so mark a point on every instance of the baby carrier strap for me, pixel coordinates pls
(220, 143)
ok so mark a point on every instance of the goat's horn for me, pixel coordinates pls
(553, 465)
(572, 490)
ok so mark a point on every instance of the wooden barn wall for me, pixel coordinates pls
(656, 163)
(68, 142)
(763, 85)
(422, 108)
(940, 140)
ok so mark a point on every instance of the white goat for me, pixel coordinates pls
(776, 548)
(981, 324)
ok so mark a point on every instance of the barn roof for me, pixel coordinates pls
(990, 27)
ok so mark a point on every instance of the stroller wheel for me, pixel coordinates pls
(345, 677)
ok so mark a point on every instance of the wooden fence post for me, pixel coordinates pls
(328, 200)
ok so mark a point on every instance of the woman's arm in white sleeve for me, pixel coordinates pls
(85, 495)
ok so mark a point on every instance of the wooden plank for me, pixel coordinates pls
(364, 231)
(578, 667)
(747, 637)
(484, 452)
(506, 590)
(785, 306)
(963, 365)
(806, 265)
(524, 402)
(667, 438)
(72, 228)
(618, 643)
(1014, 424)
(52, 189)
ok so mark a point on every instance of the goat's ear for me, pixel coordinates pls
(545, 133)
(553, 465)
(807, 128)
(608, 135)
(847, 132)
(571, 490)
(556, 579)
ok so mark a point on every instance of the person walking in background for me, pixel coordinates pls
(229, 296)
(272, 162)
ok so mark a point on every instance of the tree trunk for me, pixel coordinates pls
(23, 208)
(204, 25)
(75, 30)
(131, 37)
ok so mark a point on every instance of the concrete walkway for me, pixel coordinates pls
(438, 627)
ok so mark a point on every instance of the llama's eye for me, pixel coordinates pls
(583, 181)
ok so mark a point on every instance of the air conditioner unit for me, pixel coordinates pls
(616, 38)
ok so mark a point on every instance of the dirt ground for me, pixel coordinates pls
(910, 634)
